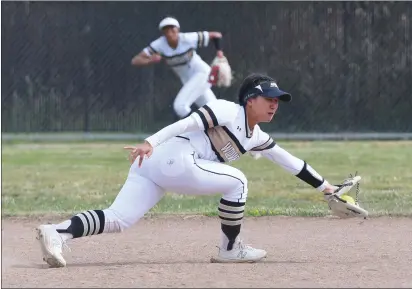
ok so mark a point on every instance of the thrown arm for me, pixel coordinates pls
(216, 38)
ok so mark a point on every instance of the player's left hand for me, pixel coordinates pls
(220, 54)
(140, 150)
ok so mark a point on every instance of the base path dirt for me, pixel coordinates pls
(175, 252)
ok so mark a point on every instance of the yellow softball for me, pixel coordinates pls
(348, 199)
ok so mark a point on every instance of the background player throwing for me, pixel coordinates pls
(179, 52)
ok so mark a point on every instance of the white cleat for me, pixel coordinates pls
(51, 245)
(239, 254)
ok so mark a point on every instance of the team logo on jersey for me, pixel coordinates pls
(230, 152)
(225, 144)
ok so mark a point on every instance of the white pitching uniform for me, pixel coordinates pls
(189, 157)
(189, 67)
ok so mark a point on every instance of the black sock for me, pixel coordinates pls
(231, 215)
(86, 224)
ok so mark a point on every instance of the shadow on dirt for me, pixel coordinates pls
(143, 262)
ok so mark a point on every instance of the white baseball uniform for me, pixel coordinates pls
(189, 67)
(189, 157)
(193, 162)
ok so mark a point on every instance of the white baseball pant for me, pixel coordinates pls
(181, 172)
(195, 90)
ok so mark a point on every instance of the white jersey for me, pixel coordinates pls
(219, 132)
(183, 60)
(226, 134)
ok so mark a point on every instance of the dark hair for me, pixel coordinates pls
(249, 82)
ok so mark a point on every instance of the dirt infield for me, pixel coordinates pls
(175, 252)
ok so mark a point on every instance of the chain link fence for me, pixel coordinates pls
(66, 65)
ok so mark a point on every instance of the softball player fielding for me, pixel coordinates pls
(179, 52)
(218, 132)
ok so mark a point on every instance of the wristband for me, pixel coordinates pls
(217, 42)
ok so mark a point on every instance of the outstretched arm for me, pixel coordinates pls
(299, 168)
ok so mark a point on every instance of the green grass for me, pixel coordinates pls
(58, 178)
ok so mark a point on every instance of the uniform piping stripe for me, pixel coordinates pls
(85, 223)
(231, 223)
(199, 39)
(231, 204)
(235, 140)
(231, 219)
(225, 208)
(96, 222)
(180, 54)
(88, 224)
(270, 143)
(230, 212)
(207, 116)
(243, 185)
(265, 143)
(179, 64)
(102, 220)
(203, 118)
(248, 133)
(212, 115)
(92, 223)
(183, 137)
(230, 216)
(204, 39)
(214, 149)
(152, 49)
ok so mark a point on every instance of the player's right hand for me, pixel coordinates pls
(156, 58)
(330, 189)
(140, 150)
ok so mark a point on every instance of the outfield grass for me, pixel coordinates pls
(62, 178)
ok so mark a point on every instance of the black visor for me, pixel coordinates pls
(269, 90)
